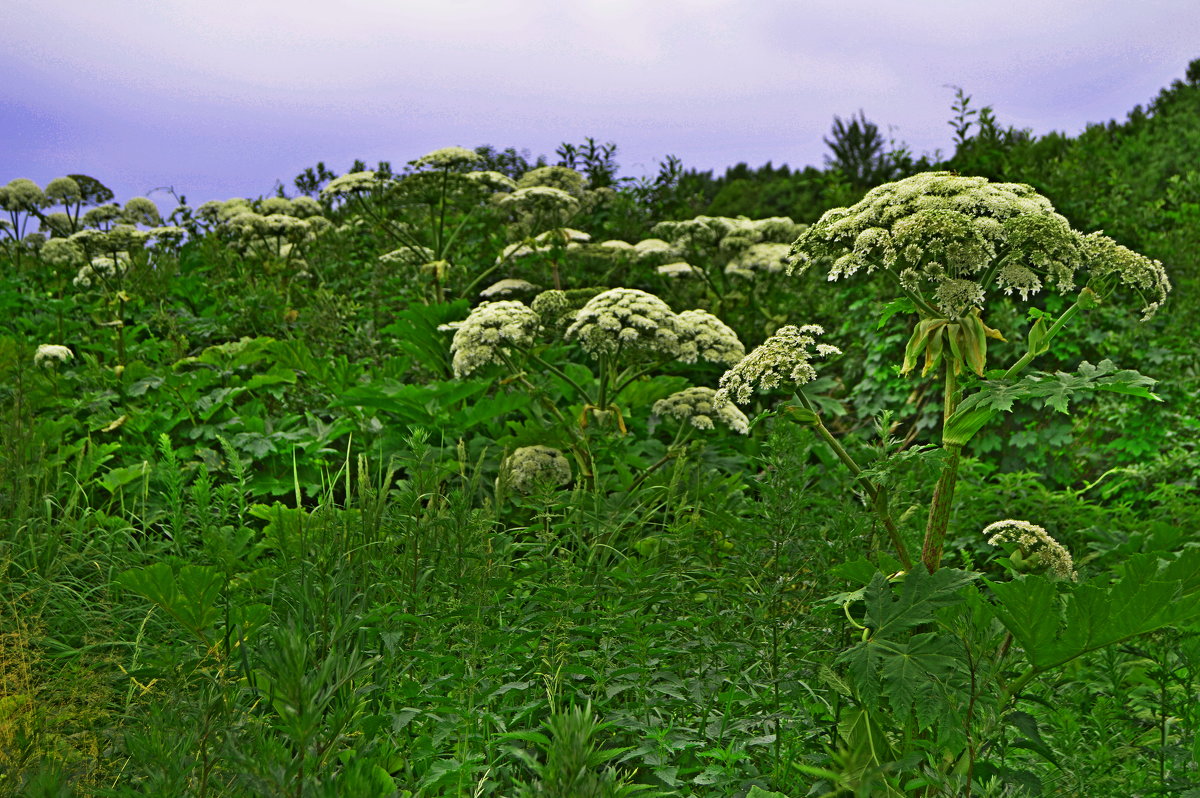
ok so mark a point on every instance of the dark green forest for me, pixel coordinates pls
(492, 474)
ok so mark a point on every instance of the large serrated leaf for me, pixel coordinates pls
(921, 593)
(1053, 630)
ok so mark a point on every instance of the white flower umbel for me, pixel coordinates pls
(447, 158)
(762, 257)
(702, 232)
(493, 181)
(141, 210)
(305, 207)
(541, 200)
(507, 287)
(50, 354)
(100, 269)
(935, 228)
(1109, 260)
(562, 178)
(702, 336)
(553, 307)
(534, 469)
(489, 331)
(628, 320)
(783, 357)
(61, 252)
(563, 236)
(353, 183)
(407, 256)
(677, 269)
(618, 245)
(700, 406)
(1035, 547)
(63, 190)
(22, 194)
(654, 249)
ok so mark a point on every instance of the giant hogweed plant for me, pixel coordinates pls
(945, 242)
(425, 213)
(626, 334)
(930, 670)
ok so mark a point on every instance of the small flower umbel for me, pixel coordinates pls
(487, 335)
(700, 407)
(52, 355)
(537, 473)
(49, 357)
(1032, 549)
(623, 324)
(785, 356)
(536, 469)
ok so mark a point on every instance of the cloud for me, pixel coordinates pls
(268, 87)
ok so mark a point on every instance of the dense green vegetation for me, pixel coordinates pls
(381, 489)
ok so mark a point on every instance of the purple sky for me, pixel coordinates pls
(221, 98)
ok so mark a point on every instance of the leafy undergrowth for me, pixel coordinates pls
(288, 511)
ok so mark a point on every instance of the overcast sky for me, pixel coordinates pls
(220, 98)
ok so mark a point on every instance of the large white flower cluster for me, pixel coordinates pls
(49, 354)
(352, 183)
(699, 406)
(541, 201)
(101, 268)
(950, 238)
(761, 257)
(625, 319)
(490, 329)
(702, 336)
(447, 158)
(1135, 271)
(785, 356)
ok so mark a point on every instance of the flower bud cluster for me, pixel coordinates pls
(489, 331)
(532, 469)
(1035, 546)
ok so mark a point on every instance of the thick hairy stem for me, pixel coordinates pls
(939, 510)
(943, 494)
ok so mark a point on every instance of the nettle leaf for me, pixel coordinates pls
(1056, 622)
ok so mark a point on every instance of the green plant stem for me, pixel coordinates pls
(1029, 355)
(626, 378)
(681, 437)
(879, 503)
(558, 373)
(943, 493)
(915, 298)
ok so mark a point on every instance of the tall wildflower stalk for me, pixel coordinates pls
(947, 244)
